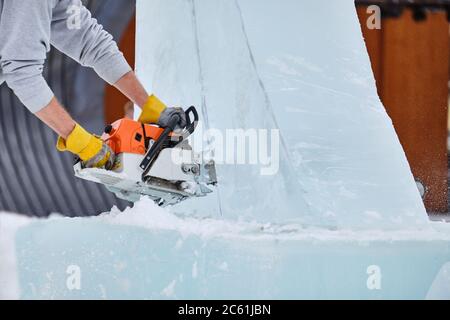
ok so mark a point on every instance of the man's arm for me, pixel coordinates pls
(57, 118)
(89, 44)
(25, 40)
(130, 86)
(73, 138)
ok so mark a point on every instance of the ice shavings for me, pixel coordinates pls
(146, 214)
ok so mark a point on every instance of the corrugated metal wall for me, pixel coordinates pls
(34, 178)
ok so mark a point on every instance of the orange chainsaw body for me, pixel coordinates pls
(128, 136)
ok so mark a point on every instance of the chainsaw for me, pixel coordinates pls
(145, 164)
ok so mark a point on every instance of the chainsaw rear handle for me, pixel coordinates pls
(191, 123)
(173, 122)
(165, 139)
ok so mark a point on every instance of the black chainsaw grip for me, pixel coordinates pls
(156, 148)
(165, 137)
(173, 122)
(191, 123)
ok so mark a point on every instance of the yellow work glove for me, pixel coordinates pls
(92, 150)
(152, 110)
(156, 112)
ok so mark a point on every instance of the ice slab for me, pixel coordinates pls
(302, 67)
(9, 224)
(146, 253)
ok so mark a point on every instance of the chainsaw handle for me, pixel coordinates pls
(191, 123)
(165, 138)
(173, 122)
(157, 147)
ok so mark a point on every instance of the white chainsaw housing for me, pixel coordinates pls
(168, 182)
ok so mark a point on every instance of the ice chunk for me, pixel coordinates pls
(9, 224)
(298, 66)
(441, 285)
(146, 253)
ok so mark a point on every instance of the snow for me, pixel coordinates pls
(146, 214)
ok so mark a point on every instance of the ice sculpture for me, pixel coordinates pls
(298, 66)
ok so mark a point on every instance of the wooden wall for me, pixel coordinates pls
(411, 61)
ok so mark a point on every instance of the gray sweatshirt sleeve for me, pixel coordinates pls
(29, 27)
(78, 35)
(24, 34)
